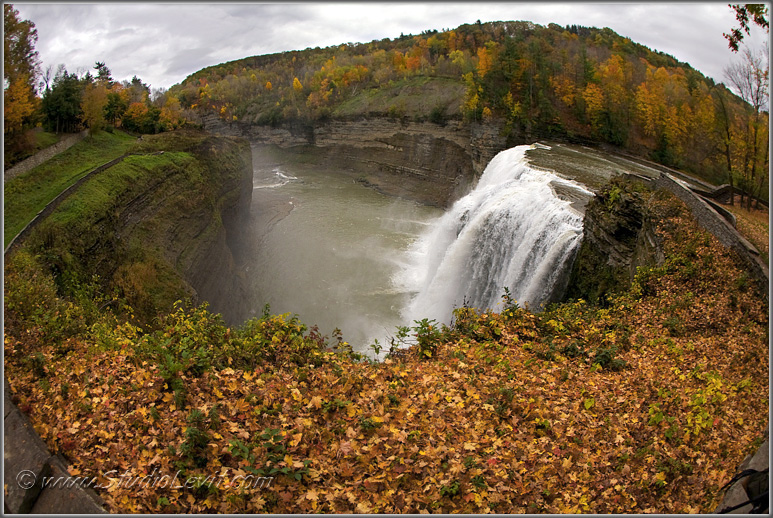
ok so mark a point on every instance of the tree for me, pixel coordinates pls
(117, 103)
(103, 74)
(20, 70)
(138, 91)
(20, 59)
(171, 113)
(593, 96)
(758, 12)
(93, 106)
(62, 102)
(19, 105)
(141, 118)
(724, 124)
(749, 77)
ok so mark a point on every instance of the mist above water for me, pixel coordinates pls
(326, 248)
(341, 255)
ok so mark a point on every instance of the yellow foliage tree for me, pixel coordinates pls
(564, 89)
(136, 113)
(93, 106)
(19, 105)
(593, 96)
(171, 113)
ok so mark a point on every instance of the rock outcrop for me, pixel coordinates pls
(618, 237)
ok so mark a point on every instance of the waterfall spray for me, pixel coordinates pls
(510, 231)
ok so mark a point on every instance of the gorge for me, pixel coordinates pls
(347, 226)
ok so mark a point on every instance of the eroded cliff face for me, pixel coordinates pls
(210, 256)
(168, 230)
(431, 163)
(618, 237)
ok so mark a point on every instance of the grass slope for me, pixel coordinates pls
(28, 194)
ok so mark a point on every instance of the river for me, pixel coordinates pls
(326, 247)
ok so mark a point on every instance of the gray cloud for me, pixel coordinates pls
(164, 43)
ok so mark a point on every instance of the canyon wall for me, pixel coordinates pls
(162, 225)
(432, 163)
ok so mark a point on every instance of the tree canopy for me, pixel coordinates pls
(758, 14)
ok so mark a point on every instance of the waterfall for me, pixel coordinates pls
(511, 230)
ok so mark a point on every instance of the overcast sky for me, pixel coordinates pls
(162, 44)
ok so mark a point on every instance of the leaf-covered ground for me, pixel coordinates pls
(754, 225)
(647, 405)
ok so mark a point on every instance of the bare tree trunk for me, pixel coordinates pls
(727, 138)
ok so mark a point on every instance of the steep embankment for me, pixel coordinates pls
(430, 162)
(157, 227)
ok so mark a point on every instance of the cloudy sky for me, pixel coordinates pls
(163, 43)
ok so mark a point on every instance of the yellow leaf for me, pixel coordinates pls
(315, 402)
(296, 394)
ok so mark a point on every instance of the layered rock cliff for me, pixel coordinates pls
(167, 226)
(431, 163)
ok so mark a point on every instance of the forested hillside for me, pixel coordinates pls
(573, 82)
(530, 81)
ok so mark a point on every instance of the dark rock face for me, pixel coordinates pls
(618, 237)
(194, 223)
(211, 266)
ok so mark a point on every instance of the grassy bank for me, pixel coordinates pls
(134, 230)
(26, 195)
(647, 405)
(418, 98)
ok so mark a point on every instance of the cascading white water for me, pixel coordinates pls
(510, 231)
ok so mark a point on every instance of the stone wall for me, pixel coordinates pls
(31, 470)
(43, 155)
